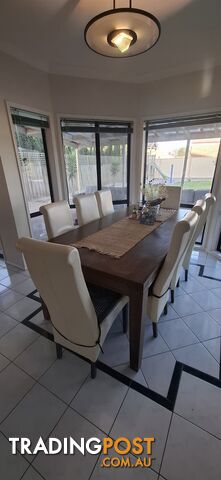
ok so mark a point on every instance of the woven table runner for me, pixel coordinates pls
(122, 236)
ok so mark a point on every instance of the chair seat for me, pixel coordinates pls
(103, 300)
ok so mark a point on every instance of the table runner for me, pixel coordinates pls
(122, 236)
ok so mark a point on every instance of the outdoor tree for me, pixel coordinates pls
(115, 168)
(71, 161)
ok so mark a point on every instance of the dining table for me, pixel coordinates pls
(131, 275)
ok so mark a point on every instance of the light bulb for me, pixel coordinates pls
(122, 41)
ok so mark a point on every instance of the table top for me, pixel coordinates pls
(134, 270)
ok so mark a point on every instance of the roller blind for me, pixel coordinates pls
(26, 118)
(68, 125)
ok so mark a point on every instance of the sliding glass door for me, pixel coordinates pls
(183, 154)
(97, 156)
(30, 134)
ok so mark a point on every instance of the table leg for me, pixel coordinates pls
(45, 310)
(137, 312)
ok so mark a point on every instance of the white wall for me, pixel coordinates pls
(26, 86)
(197, 92)
(59, 95)
(193, 93)
(82, 98)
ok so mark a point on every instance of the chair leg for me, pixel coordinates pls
(186, 275)
(59, 351)
(165, 311)
(155, 333)
(93, 370)
(172, 296)
(178, 283)
(125, 318)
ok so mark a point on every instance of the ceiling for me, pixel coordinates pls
(49, 35)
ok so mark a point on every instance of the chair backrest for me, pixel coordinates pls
(179, 241)
(104, 201)
(173, 199)
(57, 274)
(87, 209)
(202, 206)
(58, 218)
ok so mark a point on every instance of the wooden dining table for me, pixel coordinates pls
(130, 275)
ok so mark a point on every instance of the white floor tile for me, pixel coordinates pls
(185, 305)
(35, 416)
(208, 301)
(199, 402)
(198, 357)
(214, 347)
(15, 341)
(116, 349)
(25, 287)
(128, 372)
(192, 286)
(153, 346)
(37, 358)
(190, 453)
(66, 376)
(140, 416)
(194, 271)
(23, 309)
(176, 334)
(203, 326)
(217, 292)
(14, 279)
(216, 314)
(40, 321)
(213, 271)
(3, 362)
(3, 273)
(6, 324)
(9, 298)
(105, 395)
(31, 474)
(209, 283)
(66, 467)
(12, 466)
(3, 288)
(14, 384)
(171, 315)
(158, 371)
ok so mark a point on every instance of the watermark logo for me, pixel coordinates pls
(119, 453)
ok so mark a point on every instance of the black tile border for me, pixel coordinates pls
(167, 402)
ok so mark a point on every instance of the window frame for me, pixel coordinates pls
(38, 119)
(174, 122)
(124, 127)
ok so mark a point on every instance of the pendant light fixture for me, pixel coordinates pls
(122, 32)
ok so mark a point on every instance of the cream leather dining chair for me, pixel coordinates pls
(199, 208)
(104, 201)
(86, 208)
(209, 201)
(159, 294)
(173, 199)
(81, 315)
(57, 217)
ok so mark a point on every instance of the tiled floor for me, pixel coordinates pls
(175, 397)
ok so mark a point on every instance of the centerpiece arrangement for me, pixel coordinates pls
(154, 193)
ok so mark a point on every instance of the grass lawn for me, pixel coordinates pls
(198, 184)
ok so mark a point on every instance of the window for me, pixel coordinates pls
(184, 152)
(30, 137)
(97, 156)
